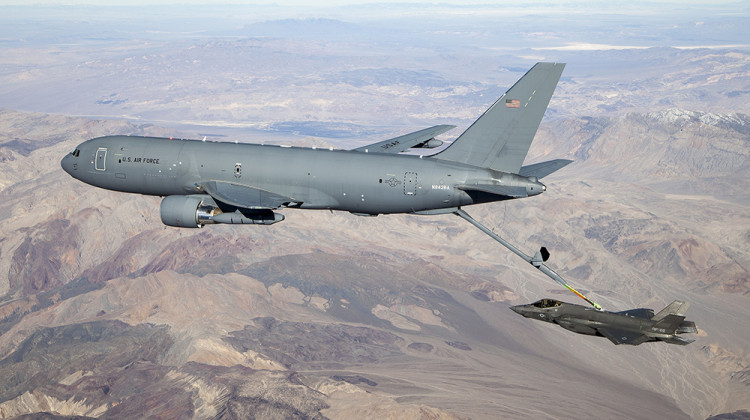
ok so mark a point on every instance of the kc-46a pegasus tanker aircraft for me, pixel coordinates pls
(206, 182)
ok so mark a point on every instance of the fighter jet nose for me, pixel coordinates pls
(523, 310)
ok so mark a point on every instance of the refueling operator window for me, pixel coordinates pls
(76, 153)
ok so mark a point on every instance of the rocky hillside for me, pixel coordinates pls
(674, 150)
(332, 315)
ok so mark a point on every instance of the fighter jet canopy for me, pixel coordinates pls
(547, 303)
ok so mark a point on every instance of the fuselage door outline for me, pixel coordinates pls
(101, 159)
(410, 183)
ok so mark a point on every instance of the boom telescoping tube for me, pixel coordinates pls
(537, 261)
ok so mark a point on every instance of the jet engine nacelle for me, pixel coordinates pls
(194, 211)
(182, 210)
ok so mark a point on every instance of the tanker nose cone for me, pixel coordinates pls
(67, 164)
(70, 162)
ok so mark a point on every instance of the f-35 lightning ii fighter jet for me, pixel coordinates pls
(634, 326)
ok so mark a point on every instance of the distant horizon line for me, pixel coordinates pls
(551, 4)
(585, 46)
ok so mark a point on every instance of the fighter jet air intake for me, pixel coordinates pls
(205, 182)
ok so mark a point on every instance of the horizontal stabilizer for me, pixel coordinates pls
(407, 141)
(687, 327)
(542, 169)
(512, 192)
(669, 323)
(677, 340)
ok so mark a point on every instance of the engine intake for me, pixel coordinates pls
(182, 211)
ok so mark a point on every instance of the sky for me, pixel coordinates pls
(326, 3)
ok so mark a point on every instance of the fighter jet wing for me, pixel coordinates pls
(244, 196)
(623, 337)
(407, 141)
(514, 192)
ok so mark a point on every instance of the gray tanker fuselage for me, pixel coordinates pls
(207, 182)
(369, 183)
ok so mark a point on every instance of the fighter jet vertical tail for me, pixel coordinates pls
(675, 308)
(672, 320)
(501, 137)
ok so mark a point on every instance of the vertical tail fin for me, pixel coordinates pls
(675, 308)
(501, 137)
(672, 317)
